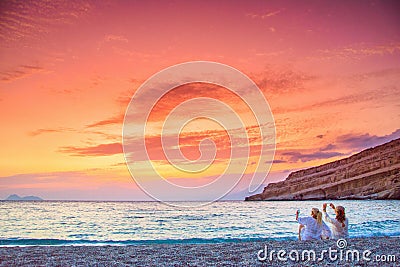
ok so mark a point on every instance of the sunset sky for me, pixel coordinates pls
(330, 71)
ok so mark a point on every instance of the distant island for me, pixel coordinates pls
(373, 173)
(15, 197)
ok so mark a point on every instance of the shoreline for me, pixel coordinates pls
(206, 254)
(166, 242)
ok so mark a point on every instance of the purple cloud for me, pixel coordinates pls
(358, 142)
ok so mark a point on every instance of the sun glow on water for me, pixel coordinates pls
(56, 223)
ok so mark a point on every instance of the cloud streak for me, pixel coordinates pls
(344, 145)
(22, 71)
(295, 156)
(110, 121)
(357, 142)
(24, 22)
(99, 150)
(265, 15)
(352, 99)
(359, 51)
(49, 130)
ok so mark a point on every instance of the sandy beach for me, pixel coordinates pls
(382, 249)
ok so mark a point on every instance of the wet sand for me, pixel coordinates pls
(221, 254)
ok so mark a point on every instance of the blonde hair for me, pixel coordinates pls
(317, 215)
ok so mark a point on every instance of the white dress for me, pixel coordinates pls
(312, 229)
(338, 231)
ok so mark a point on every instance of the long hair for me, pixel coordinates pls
(340, 215)
(317, 215)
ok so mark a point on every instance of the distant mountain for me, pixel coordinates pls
(28, 198)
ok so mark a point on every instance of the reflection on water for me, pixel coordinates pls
(62, 222)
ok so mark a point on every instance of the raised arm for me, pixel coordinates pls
(324, 207)
(325, 215)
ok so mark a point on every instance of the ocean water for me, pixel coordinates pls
(126, 223)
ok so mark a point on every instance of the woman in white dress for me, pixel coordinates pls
(340, 224)
(312, 227)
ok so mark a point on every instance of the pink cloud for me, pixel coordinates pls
(19, 73)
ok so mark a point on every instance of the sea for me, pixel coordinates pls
(26, 223)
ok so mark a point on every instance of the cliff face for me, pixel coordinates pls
(371, 174)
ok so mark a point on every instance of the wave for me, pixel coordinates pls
(71, 242)
(81, 242)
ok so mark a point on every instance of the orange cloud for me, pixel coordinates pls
(49, 130)
(113, 120)
(99, 150)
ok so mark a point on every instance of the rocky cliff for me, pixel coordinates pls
(371, 174)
